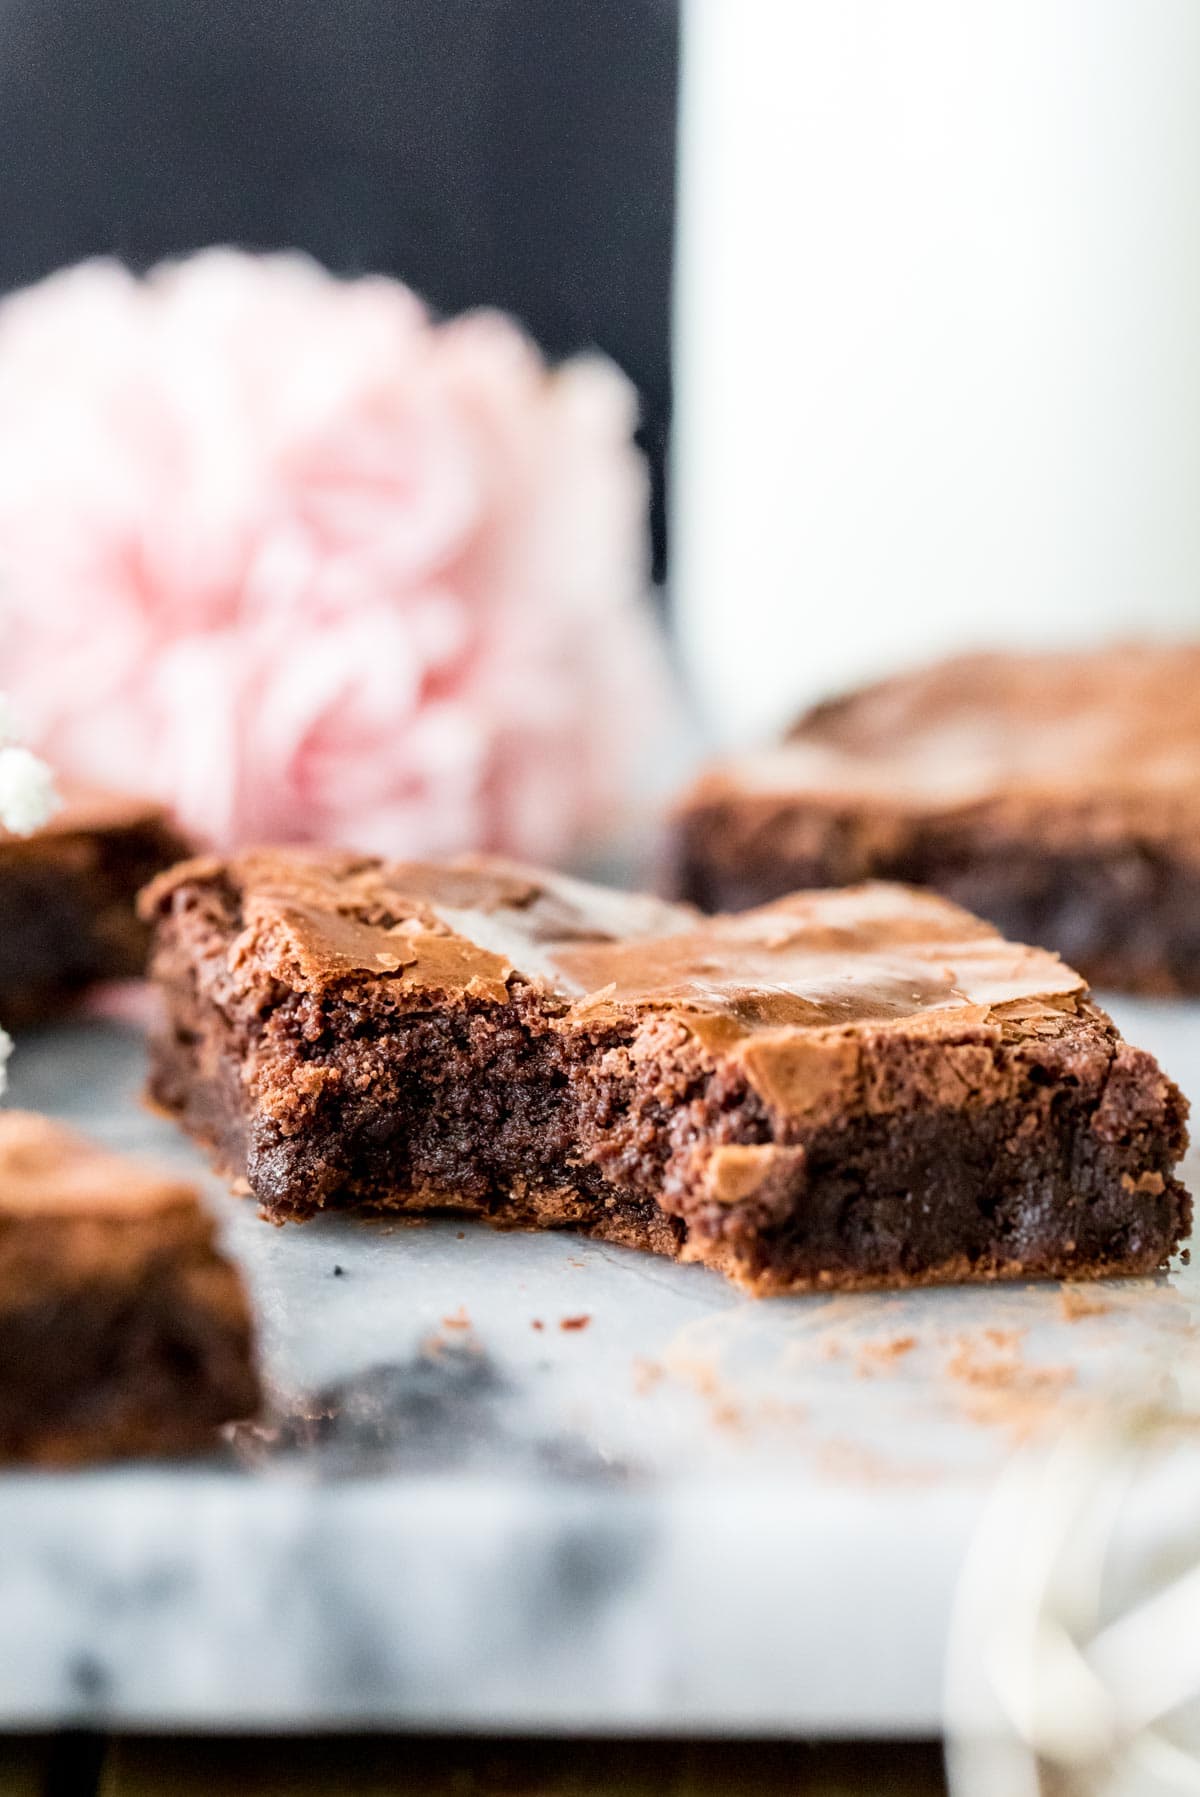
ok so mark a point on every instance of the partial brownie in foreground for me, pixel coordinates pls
(68, 900)
(850, 1088)
(122, 1329)
(1056, 795)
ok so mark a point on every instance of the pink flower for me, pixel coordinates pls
(281, 550)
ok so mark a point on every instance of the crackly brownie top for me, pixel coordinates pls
(47, 1170)
(871, 957)
(1122, 720)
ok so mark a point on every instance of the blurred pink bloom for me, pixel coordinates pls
(279, 549)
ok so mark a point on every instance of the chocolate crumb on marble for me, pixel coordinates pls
(123, 1330)
(843, 1089)
(1057, 795)
(1076, 1302)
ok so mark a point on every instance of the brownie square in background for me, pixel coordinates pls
(1057, 795)
(68, 900)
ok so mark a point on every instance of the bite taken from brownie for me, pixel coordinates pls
(123, 1330)
(1055, 794)
(844, 1089)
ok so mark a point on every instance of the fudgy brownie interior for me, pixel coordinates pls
(857, 1088)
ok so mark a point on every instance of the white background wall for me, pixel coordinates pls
(938, 326)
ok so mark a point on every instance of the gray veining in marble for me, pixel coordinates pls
(694, 1512)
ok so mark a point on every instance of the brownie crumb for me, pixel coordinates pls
(852, 1463)
(881, 1356)
(1003, 1390)
(646, 1375)
(998, 1366)
(537, 1323)
(575, 1322)
(1076, 1301)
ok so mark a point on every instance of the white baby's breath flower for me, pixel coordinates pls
(27, 799)
(27, 795)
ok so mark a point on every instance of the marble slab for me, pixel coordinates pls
(520, 1482)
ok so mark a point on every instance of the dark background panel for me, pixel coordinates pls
(511, 152)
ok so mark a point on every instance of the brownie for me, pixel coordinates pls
(866, 1087)
(68, 899)
(1056, 795)
(122, 1329)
